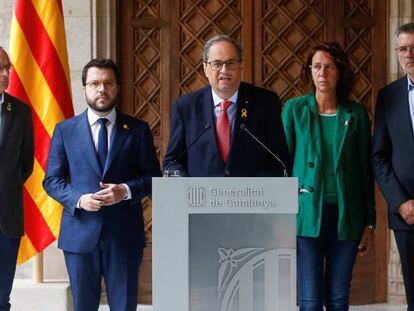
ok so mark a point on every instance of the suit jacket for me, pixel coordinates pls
(257, 108)
(354, 178)
(393, 149)
(16, 163)
(73, 170)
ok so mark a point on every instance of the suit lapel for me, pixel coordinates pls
(402, 110)
(207, 109)
(86, 142)
(120, 133)
(343, 122)
(243, 101)
(7, 112)
(314, 127)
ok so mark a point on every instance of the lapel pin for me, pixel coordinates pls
(346, 122)
(125, 126)
(244, 113)
(9, 107)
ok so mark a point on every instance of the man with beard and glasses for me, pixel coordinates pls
(393, 154)
(16, 165)
(208, 134)
(100, 168)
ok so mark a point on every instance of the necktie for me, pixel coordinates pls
(102, 142)
(223, 131)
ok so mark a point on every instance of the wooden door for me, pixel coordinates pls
(160, 46)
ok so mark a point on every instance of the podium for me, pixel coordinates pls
(225, 244)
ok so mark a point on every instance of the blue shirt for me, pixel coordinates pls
(1, 104)
(411, 100)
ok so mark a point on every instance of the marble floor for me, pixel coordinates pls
(376, 307)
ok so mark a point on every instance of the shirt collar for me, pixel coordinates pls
(410, 85)
(93, 117)
(1, 98)
(217, 100)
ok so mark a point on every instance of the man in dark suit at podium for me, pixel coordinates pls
(16, 165)
(214, 130)
(393, 155)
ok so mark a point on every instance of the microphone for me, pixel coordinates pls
(244, 128)
(184, 152)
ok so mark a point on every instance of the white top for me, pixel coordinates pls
(93, 123)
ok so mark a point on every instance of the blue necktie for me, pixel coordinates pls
(102, 142)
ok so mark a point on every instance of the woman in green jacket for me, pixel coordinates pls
(329, 138)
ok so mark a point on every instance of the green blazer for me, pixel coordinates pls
(354, 177)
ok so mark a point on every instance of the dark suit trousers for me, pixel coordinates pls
(118, 264)
(405, 244)
(9, 248)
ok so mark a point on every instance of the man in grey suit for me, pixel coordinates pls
(16, 165)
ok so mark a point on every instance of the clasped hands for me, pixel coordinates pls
(406, 210)
(110, 194)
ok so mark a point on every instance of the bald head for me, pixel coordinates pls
(5, 66)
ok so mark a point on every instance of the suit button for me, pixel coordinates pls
(310, 189)
(227, 172)
(311, 164)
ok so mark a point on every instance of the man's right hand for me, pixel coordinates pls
(91, 202)
(406, 210)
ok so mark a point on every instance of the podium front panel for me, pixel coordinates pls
(225, 244)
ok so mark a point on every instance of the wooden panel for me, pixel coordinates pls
(286, 31)
(144, 62)
(363, 36)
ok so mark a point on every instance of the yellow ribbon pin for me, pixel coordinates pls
(244, 113)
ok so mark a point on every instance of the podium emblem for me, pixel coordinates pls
(240, 285)
(196, 196)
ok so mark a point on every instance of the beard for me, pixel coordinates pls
(106, 107)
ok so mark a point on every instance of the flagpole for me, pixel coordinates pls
(38, 268)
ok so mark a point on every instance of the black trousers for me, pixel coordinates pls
(405, 244)
(9, 248)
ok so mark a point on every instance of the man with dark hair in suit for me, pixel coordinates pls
(100, 168)
(221, 113)
(16, 165)
(393, 154)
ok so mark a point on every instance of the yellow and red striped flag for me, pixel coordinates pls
(41, 79)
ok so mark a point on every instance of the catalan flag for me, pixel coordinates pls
(41, 79)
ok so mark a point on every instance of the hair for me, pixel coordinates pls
(406, 28)
(346, 80)
(100, 63)
(219, 38)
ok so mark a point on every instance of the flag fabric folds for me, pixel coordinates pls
(40, 77)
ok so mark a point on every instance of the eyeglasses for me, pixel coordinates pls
(318, 67)
(216, 65)
(6, 67)
(106, 84)
(404, 49)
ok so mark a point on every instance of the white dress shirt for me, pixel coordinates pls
(1, 104)
(231, 111)
(410, 87)
(93, 123)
